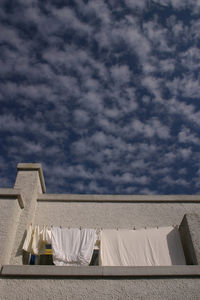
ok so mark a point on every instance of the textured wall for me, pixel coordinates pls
(111, 215)
(40, 289)
(9, 217)
(105, 215)
(29, 184)
(190, 236)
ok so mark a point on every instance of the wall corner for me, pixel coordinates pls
(190, 236)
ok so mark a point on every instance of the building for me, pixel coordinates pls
(28, 203)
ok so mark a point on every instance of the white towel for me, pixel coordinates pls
(72, 246)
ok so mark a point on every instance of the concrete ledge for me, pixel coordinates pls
(33, 167)
(12, 194)
(119, 198)
(101, 272)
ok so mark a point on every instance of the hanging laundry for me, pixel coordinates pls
(36, 239)
(72, 246)
(143, 247)
(27, 246)
(45, 239)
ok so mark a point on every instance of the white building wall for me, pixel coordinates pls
(94, 214)
(112, 215)
(99, 289)
(9, 220)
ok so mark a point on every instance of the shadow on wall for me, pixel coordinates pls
(19, 251)
(175, 247)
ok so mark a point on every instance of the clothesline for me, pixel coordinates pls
(101, 228)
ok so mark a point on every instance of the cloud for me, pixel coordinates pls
(81, 117)
(153, 128)
(70, 21)
(187, 87)
(10, 123)
(104, 94)
(120, 74)
(185, 136)
(135, 4)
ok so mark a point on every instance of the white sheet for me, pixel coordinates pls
(143, 247)
(72, 246)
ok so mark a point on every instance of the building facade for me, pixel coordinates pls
(27, 202)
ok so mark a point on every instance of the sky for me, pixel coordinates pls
(104, 94)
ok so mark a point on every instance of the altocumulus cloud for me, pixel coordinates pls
(105, 94)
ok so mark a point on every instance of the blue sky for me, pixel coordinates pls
(105, 94)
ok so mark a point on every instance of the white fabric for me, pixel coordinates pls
(27, 246)
(144, 247)
(72, 246)
(36, 239)
(45, 235)
(41, 237)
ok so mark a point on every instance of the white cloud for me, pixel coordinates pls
(120, 74)
(70, 20)
(185, 153)
(97, 91)
(187, 86)
(185, 136)
(99, 138)
(81, 117)
(9, 123)
(136, 4)
(152, 128)
(190, 59)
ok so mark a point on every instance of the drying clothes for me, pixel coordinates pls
(36, 240)
(143, 247)
(72, 246)
(27, 246)
(45, 235)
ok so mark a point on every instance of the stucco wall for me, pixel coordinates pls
(86, 214)
(29, 184)
(154, 289)
(9, 217)
(112, 215)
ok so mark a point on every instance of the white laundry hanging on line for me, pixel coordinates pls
(27, 246)
(36, 239)
(143, 247)
(72, 246)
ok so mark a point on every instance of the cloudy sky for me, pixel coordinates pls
(105, 94)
